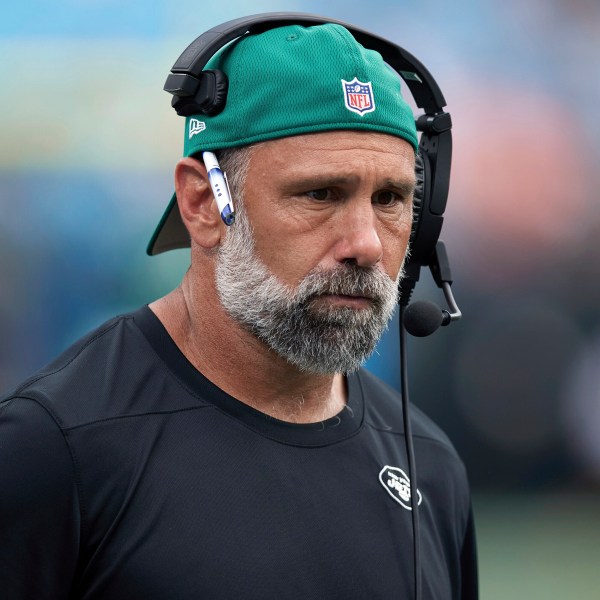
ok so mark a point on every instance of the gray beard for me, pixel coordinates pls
(315, 337)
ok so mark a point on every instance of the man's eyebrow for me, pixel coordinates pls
(323, 180)
(405, 187)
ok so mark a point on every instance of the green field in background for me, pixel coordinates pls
(538, 547)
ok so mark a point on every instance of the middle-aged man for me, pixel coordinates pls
(223, 442)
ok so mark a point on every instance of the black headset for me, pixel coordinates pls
(197, 91)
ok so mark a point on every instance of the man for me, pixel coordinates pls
(223, 442)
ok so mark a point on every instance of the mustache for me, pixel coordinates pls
(346, 280)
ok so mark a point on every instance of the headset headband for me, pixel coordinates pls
(423, 87)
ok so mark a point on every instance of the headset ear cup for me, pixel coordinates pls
(219, 95)
(418, 196)
(208, 97)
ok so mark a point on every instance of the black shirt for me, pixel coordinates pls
(125, 473)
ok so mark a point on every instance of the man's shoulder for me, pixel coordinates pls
(92, 379)
(441, 471)
(384, 412)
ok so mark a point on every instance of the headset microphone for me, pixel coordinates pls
(422, 318)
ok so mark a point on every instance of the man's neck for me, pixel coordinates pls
(241, 365)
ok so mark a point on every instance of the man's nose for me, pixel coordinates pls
(359, 240)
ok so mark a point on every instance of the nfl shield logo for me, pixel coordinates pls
(358, 96)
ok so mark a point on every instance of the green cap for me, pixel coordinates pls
(289, 81)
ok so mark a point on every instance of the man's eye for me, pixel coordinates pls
(387, 198)
(320, 195)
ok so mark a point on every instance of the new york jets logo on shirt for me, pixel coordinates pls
(397, 484)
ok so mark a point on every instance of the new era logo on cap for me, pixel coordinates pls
(358, 96)
(196, 127)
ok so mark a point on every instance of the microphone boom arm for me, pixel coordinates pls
(455, 315)
(442, 275)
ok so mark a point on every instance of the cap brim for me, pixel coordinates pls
(170, 234)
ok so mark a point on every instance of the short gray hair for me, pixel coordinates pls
(235, 162)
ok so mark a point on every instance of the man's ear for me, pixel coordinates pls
(197, 205)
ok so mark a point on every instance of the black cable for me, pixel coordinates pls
(412, 473)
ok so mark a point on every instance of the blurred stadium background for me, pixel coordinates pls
(87, 145)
